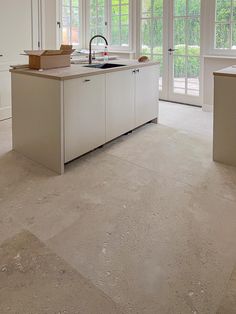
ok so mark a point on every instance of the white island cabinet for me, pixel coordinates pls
(224, 133)
(120, 109)
(61, 114)
(146, 93)
(84, 111)
(131, 99)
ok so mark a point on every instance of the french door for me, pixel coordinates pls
(170, 33)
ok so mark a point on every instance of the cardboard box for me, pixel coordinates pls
(50, 59)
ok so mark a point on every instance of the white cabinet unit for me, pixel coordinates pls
(84, 115)
(131, 99)
(61, 115)
(224, 132)
(120, 109)
(146, 94)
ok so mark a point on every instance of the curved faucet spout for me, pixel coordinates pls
(90, 45)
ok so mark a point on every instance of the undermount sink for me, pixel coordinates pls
(104, 65)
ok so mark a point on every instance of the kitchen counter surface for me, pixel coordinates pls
(79, 70)
(230, 71)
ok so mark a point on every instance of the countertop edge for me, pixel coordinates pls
(229, 71)
(90, 73)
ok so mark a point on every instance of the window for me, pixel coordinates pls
(120, 23)
(97, 19)
(111, 18)
(225, 24)
(186, 20)
(70, 22)
(152, 30)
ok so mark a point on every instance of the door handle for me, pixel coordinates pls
(86, 81)
(171, 50)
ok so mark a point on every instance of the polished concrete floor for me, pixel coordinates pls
(148, 221)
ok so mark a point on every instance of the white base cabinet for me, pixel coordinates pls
(120, 107)
(84, 115)
(99, 108)
(58, 120)
(146, 94)
(131, 99)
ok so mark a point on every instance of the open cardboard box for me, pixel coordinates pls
(50, 59)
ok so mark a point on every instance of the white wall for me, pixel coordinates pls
(17, 33)
(212, 64)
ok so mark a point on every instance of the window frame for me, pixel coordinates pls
(108, 17)
(59, 7)
(210, 34)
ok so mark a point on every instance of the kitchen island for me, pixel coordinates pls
(61, 114)
(224, 143)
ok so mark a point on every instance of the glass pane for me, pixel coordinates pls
(124, 35)
(180, 36)
(193, 74)
(194, 7)
(152, 31)
(223, 10)
(97, 20)
(120, 23)
(70, 22)
(159, 58)
(147, 8)
(234, 10)
(115, 36)
(158, 8)
(124, 10)
(66, 3)
(193, 37)
(222, 36)
(157, 36)
(233, 36)
(180, 7)
(146, 31)
(66, 35)
(179, 74)
(75, 3)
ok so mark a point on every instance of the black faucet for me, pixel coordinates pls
(90, 46)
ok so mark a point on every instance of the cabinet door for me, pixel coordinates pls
(146, 94)
(84, 112)
(120, 115)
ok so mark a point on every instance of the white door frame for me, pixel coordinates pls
(167, 92)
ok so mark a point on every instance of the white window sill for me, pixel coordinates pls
(218, 57)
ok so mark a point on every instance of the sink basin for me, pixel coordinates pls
(104, 66)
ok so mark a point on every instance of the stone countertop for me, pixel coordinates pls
(79, 70)
(230, 71)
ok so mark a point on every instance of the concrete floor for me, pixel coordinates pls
(149, 220)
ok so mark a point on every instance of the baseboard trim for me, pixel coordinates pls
(5, 113)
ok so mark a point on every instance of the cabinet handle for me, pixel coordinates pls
(137, 70)
(1, 55)
(134, 71)
(86, 81)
